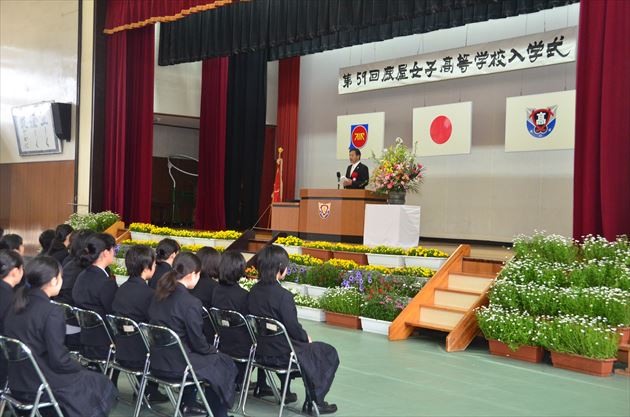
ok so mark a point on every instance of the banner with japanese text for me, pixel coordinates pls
(548, 48)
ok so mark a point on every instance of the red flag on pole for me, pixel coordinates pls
(277, 184)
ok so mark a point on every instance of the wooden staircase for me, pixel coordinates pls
(447, 302)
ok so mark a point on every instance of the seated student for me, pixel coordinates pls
(61, 242)
(175, 308)
(210, 259)
(94, 290)
(319, 361)
(72, 266)
(12, 242)
(132, 300)
(165, 253)
(45, 240)
(40, 325)
(11, 272)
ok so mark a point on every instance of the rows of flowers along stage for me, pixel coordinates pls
(568, 298)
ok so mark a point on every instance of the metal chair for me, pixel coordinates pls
(16, 353)
(210, 326)
(229, 320)
(265, 328)
(90, 321)
(159, 337)
(71, 324)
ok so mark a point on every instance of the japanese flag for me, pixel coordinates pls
(443, 130)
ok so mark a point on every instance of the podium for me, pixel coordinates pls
(321, 214)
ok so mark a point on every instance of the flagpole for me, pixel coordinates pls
(277, 177)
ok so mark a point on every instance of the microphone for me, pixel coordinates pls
(338, 178)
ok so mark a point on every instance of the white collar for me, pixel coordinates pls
(354, 166)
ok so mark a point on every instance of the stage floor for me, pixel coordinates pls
(417, 377)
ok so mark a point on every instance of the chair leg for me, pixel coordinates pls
(245, 389)
(284, 390)
(140, 398)
(178, 403)
(270, 378)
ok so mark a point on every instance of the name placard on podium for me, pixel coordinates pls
(391, 225)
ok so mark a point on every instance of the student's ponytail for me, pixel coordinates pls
(165, 248)
(185, 263)
(94, 246)
(9, 260)
(38, 273)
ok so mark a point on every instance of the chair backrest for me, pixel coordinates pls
(123, 326)
(265, 328)
(16, 352)
(163, 338)
(230, 319)
(89, 320)
(210, 329)
(68, 310)
(131, 346)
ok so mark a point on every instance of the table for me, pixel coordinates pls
(391, 225)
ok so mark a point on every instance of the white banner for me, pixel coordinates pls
(530, 51)
(365, 132)
(443, 130)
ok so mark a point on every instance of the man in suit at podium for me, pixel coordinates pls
(357, 174)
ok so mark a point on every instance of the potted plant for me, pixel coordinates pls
(318, 249)
(386, 256)
(355, 253)
(97, 222)
(396, 173)
(510, 333)
(342, 306)
(379, 310)
(423, 257)
(321, 277)
(225, 238)
(294, 280)
(141, 231)
(308, 308)
(292, 244)
(120, 272)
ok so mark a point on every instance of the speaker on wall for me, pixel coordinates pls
(62, 120)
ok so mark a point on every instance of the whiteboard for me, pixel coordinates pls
(34, 129)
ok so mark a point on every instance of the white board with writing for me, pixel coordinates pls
(34, 129)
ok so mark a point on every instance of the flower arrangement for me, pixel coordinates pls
(512, 327)
(97, 222)
(397, 170)
(251, 272)
(343, 264)
(344, 247)
(386, 250)
(247, 283)
(289, 241)
(550, 248)
(118, 270)
(306, 260)
(305, 301)
(317, 244)
(426, 252)
(167, 231)
(379, 306)
(342, 300)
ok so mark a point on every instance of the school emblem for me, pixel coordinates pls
(541, 122)
(358, 136)
(324, 210)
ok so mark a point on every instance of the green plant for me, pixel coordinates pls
(247, 283)
(427, 252)
(386, 250)
(550, 248)
(305, 300)
(97, 222)
(118, 270)
(306, 260)
(342, 300)
(289, 241)
(141, 227)
(318, 245)
(600, 272)
(324, 275)
(512, 327)
(382, 306)
(344, 247)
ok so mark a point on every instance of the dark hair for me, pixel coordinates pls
(1, 232)
(185, 263)
(138, 258)
(165, 248)
(271, 260)
(38, 272)
(78, 240)
(11, 242)
(232, 268)
(356, 150)
(210, 259)
(45, 239)
(61, 234)
(94, 246)
(9, 259)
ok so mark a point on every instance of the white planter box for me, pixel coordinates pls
(223, 243)
(375, 326)
(184, 240)
(425, 262)
(119, 261)
(205, 241)
(315, 292)
(309, 313)
(142, 236)
(121, 279)
(291, 250)
(292, 286)
(392, 261)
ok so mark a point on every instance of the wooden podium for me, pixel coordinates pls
(333, 215)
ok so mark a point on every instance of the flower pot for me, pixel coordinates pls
(291, 250)
(185, 240)
(310, 313)
(119, 261)
(204, 241)
(396, 197)
(314, 291)
(358, 257)
(425, 262)
(343, 320)
(295, 287)
(142, 236)
(375, 326)
(323, 254)
(223, 243)
(596, 367)
(392, 261)
(625, 335)
(532, 354)
(121, 279)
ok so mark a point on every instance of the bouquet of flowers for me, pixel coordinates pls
(397, 170)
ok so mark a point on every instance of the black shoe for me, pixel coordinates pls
(323, 408)
(193, 410)
(260, 392)
(290, 398)
(156, 397)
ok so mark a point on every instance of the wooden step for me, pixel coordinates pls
(623, 354)
(441, 316)
(469, 282)
(423, 325)
(455, 298)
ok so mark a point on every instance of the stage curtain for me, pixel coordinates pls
(210, 210)
(287, 28)
(129, 124)
(288, 104)
(245, 138)
(133, 14)
(602, 132)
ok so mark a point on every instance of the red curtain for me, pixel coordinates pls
(129, 124)
(288, 105)
(210, 210)
(602, 131)
(133, 14)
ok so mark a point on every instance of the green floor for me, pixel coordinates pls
(418, 378)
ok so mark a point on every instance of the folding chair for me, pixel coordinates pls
(159, 337)
(265, 328)
(210, 329)
(72, 327)
(229, 320)
(92, 321)
(17, 353)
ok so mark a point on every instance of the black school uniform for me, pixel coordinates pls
(319, 361)
(204, 290)
(71, 270)
(181, 312)
(94, 290)
(161, 268)
(234, 342)
(6, 299)
(59, 252)
(41, 326)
